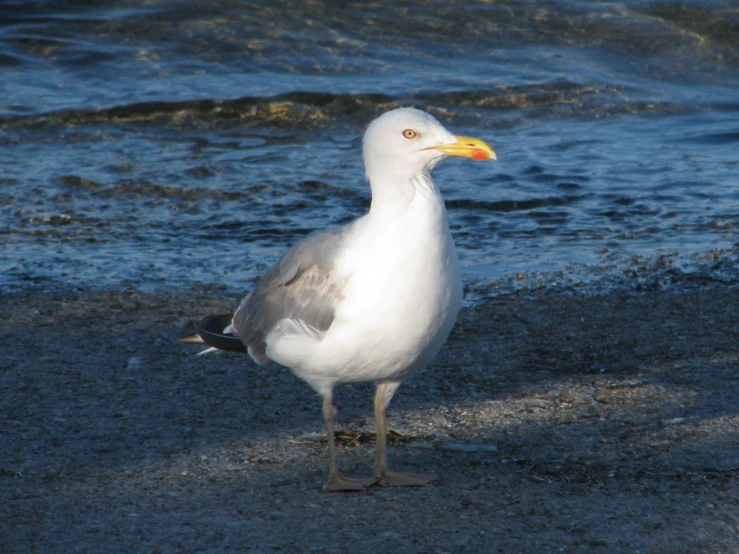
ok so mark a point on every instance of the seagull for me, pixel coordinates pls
(373, 300)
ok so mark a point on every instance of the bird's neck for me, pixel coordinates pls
(397, 194)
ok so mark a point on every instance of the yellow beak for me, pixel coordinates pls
(467, 147)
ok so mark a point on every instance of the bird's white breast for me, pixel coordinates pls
(402, 296)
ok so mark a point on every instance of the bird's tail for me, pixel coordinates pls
(215, 331)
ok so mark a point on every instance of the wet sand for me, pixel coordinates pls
(556, 422)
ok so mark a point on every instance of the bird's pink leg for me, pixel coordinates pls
(336, 481)
(388, 477)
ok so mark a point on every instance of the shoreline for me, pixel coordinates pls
(556, 421)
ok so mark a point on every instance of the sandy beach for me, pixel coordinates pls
(557, 422)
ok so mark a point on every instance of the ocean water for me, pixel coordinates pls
(166, 144)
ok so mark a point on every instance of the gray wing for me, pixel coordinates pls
(299, 286)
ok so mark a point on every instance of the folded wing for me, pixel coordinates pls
(296, 299)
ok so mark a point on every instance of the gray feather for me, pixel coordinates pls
(300, 286)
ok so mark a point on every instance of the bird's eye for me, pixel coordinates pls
(410, 134)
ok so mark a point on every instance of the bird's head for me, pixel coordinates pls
(406, 142)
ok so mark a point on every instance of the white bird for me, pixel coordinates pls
(373, 300)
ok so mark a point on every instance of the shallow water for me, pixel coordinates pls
(162, 144)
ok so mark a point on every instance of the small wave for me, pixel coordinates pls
(293, 108)
(145, 189)
(310, 109)
(512, 205)
(716, 138)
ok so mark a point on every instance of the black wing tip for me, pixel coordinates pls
(211, 331)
